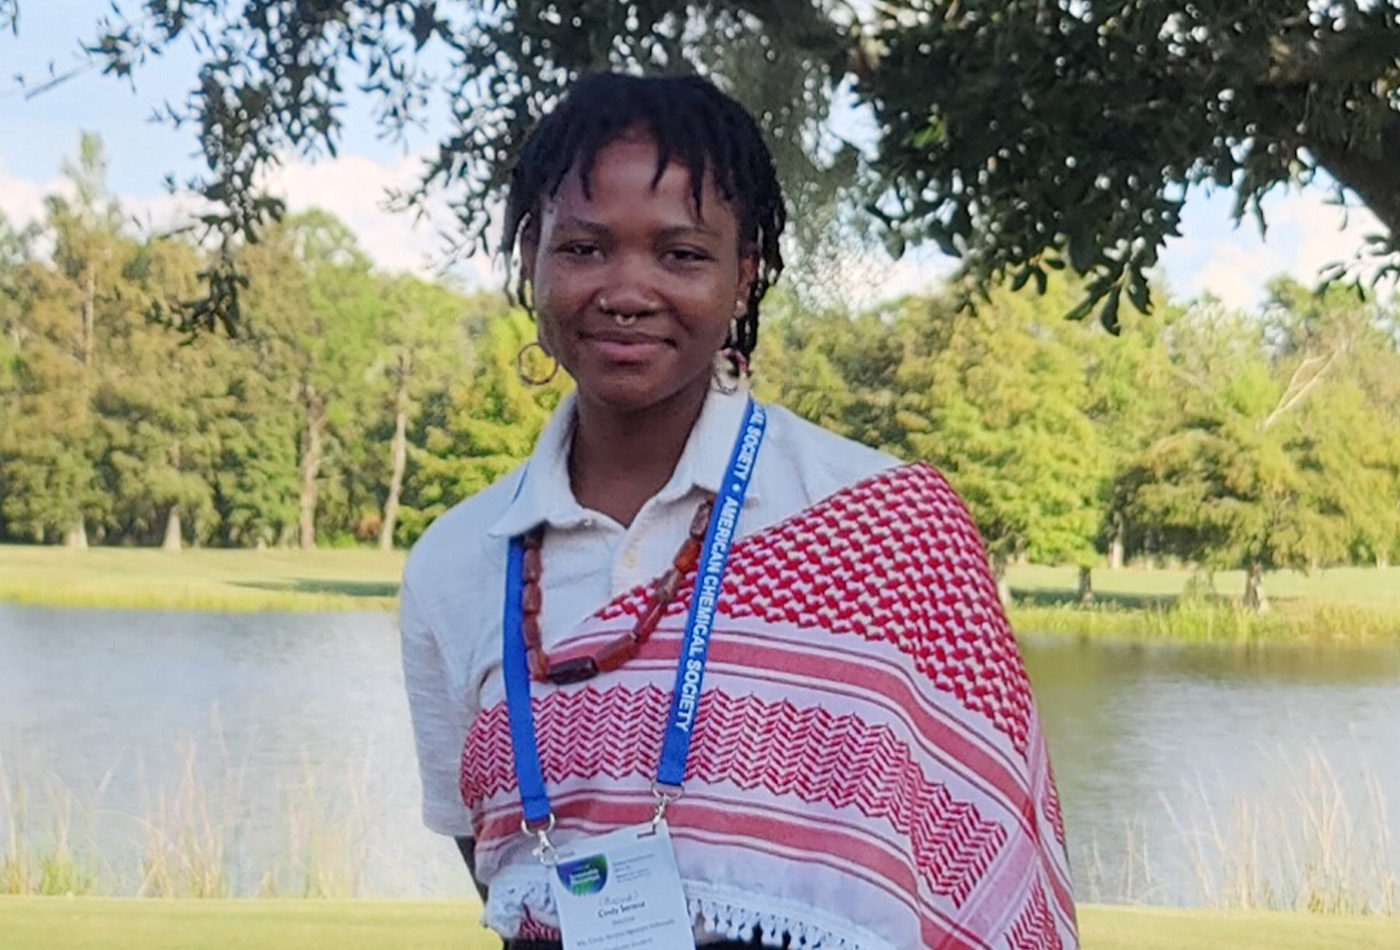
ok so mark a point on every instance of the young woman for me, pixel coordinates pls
(699, 670)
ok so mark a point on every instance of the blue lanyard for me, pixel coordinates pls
(690, 670)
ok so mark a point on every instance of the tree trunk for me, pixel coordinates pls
(398, 451)
(999, 575)
(1086, 586)
(172, 530)
(1382, 561)
(1368, 172)
(1118, 546)
(1254, 597)
(310, 465)
(89, 313)
(77, 535)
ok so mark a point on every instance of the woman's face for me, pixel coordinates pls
(634, 286)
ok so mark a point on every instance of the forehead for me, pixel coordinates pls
(635, 161)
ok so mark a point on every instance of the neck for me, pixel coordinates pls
(619, 459)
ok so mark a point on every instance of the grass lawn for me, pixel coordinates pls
(1143, 587)
(56, 923)
(1347, 604)
(200, 579)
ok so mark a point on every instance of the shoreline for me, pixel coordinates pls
(1219, 624)
(1341, 606)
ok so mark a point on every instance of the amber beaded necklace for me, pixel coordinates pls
(576, 669)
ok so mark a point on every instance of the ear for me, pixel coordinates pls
(748, 273)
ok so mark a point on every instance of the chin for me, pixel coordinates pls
(622, 394)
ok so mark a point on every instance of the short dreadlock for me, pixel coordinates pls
(693, 123)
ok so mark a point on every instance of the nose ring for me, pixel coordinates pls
(620, 318)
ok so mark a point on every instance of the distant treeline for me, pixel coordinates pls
(357, 406)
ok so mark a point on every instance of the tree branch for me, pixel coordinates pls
(1296, 392)
(1368, 171)
(1360, 54)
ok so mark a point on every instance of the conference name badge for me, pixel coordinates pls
(621, 891)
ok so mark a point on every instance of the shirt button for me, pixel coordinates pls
(629, 559)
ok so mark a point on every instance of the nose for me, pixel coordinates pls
(628, 289)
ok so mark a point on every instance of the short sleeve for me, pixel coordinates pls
(438, 728)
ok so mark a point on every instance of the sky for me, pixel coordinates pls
(1214, 255)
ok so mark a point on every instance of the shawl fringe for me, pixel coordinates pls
(511, 904)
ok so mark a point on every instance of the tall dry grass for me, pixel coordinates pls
(41, 860)
(190, 837)
(1212, 623)
(1304, 844)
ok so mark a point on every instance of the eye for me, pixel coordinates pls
(578, 249)
(687, 255)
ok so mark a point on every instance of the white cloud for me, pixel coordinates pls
(352, 187)
(355, 189)
(1306, 232)
(1236, 272)
(21, 200)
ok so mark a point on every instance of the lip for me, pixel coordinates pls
(619, 345)
(624, 336)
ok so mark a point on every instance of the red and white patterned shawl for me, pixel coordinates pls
(867, 770)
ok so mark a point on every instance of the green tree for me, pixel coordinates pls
(271, 72)
(1024, 135)
(59, 315)
(832, 368)
(1345, 367)
(318, 316)
(423, 342)
(159, 399)
(998, 402)
(482, 427)
(1260, 470)
(1133, 398)
(256, 486)
(1020, 135)
(48, 442)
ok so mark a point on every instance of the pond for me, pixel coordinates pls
(271, 754)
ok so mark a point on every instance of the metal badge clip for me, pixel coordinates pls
(544, 848)
(665, 795)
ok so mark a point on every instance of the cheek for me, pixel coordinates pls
(549, 302)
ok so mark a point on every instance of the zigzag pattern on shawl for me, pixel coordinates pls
(1050, 807)
(1035, 928)
(894, 558)
(810, 754)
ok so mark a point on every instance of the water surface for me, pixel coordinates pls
(277, 747)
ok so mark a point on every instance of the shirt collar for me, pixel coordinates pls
(543, 493)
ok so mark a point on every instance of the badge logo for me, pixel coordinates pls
(584, 876)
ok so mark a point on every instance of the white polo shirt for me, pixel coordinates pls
(453, 588)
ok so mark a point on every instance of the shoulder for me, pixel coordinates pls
(457, 543)
(822, 461)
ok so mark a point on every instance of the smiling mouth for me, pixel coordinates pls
(622, 347)
(623, 337)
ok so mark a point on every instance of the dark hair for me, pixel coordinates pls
(692, 122)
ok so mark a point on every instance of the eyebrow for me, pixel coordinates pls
(675, 231)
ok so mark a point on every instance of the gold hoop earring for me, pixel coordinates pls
(524, 374)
